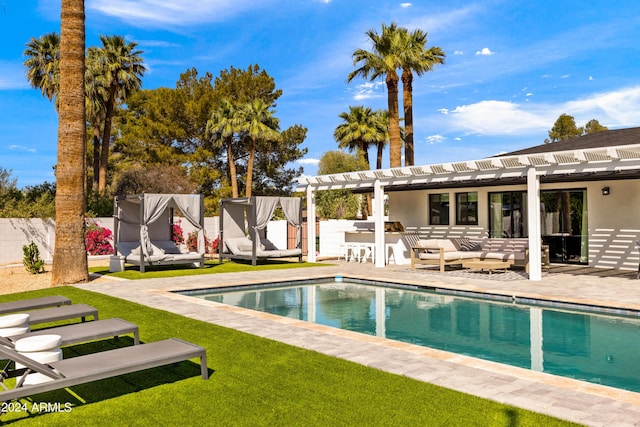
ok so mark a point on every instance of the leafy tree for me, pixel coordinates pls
(70, 255)
(338, 203)
(415, 57)
(43, 64)
(243, 86)
(594, 126)
(223, 127)
(153, 179)
(122, 70)
(360, 129)
(271, 176)
(384, 59)
(257, 123)
(564, 128)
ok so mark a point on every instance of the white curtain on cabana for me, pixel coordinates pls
(134, 225)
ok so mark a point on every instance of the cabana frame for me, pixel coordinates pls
(243, 223)
(143, 229)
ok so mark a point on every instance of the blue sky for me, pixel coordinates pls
(512, 67)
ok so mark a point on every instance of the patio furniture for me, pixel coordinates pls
(19, 323)
(81, 332)
(249, 216)
(143, 229)
(486, 264)
(65, 312)
(638, 246)
(97, 366)
(454, 251)
(32, 304)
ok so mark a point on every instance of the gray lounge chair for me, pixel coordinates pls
(65, 312)
(98, 366)
(32, 304)
(81, 332)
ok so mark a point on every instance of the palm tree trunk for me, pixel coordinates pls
(379, 155)
(252, 154)
(395, 142)
(233, 175)
(96, 156)
(407, 99)
(70, 255)
(106, 139)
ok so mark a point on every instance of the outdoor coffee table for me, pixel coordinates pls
(486, 264)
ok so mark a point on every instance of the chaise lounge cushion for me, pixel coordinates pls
(235, 245)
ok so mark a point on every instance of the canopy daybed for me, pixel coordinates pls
(143, 230)
(243, 225)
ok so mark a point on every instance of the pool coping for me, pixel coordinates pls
(565, 398)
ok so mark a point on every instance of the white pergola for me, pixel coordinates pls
(614, 162)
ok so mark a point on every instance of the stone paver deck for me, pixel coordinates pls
(577, 401)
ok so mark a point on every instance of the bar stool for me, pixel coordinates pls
(350, 251)
(393, 248)
(367, 250)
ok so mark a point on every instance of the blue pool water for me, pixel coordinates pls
(602, 349)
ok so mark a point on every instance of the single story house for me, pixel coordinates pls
(580, 197)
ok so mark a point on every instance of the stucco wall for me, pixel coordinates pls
(17, 232)
(613, 220)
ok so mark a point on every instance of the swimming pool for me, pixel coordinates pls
(587, 346)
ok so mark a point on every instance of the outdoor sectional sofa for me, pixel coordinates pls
(454, 251)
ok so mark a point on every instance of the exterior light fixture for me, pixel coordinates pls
(606, 191)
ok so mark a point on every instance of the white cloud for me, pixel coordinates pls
(444, 111)
(12, 76)
(619, 108)
(485, 51)
(313, 162)
(435, 139)
(458, 52)
(369, 90)
(403, 5)
(156, 13)
(15, 147)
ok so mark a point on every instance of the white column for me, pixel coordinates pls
(311, 224)
(381, 313)
(378, 215)
(311, 304)
(537, 356)
(533, 220)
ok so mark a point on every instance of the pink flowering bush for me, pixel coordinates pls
(98, 239)
(211, 246)
(177, 235)
(214, 245)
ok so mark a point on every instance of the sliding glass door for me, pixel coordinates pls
(564, 225)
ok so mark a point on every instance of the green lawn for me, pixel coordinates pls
(132, 272)
(254, 381)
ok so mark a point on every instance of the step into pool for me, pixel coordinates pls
(598, 347)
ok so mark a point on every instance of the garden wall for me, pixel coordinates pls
(17, 232)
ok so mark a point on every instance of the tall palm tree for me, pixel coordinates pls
(383, 119)
(257, 123)
(384, 60)
(122, 69)
(361, 129)
(96, 92)
(43, 64)
(70, 254)
(414, 58)
(222, 127)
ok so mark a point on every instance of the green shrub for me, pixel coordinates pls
(32, 261)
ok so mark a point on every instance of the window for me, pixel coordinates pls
(439, 209)
(508, 214)
(467, 208)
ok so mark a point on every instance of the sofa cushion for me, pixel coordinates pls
(464, 244)
(236, 245)
(447, 245)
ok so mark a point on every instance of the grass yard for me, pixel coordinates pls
(132, 272)
(253, 381)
